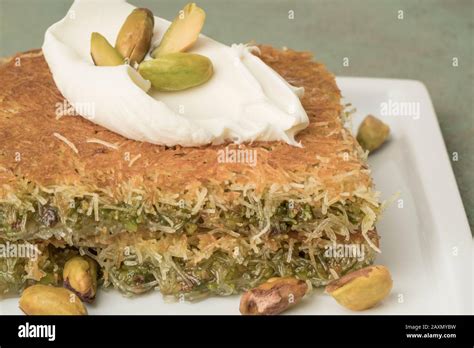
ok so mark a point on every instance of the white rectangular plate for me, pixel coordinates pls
(426, 240)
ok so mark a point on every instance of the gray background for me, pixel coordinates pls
(420, 47)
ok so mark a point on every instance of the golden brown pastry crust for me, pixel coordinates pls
(29, 98)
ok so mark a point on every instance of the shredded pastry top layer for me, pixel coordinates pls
(38, 145)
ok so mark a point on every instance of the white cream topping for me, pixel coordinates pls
(244, 101)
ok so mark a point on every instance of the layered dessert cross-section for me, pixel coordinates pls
(190, 221)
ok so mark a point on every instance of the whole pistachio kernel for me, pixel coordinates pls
(134, 39)
(273, 297)
(183, 32)
(362, 289)
(372, 133)
(177, 71)
(102, 52)
(80, 276)
(49, 300)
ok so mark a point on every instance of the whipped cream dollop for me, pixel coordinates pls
(244, 101)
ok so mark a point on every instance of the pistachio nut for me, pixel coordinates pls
(134, 38)
(102, 52)
(177, 71)
(273, 296)
(362, 289)
(372, 133)
(183, 32)
(49, 300)
(80, 276)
